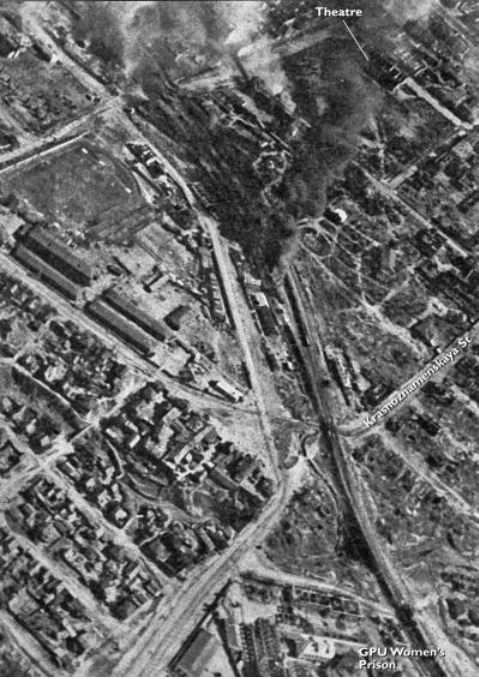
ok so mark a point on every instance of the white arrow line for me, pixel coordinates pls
(356, 41)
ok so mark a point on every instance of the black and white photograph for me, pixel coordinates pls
(239, 338)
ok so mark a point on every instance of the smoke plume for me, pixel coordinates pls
(98, 26)
(184, 36)
(181, 37)
(333, 92)
(328, 85)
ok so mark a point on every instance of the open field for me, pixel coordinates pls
(76, 186)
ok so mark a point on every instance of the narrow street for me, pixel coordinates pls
(402, 396)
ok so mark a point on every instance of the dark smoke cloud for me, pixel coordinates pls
(188, 35)
(176, 31)
(329, 84)
(98, 25)
(324, 153)
(178, 37)
(338, 103)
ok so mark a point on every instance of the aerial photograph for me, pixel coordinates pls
(239, 338)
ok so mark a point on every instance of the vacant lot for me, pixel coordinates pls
(76, 186)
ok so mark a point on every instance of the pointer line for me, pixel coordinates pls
(356, 41)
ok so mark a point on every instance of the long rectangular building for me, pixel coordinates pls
(57, 255)
(45, 272)
(121, 327)
(150, 325)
